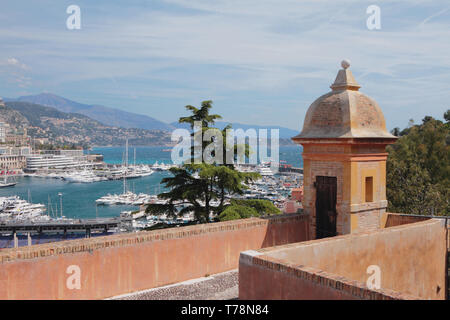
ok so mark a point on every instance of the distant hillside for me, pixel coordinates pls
(118, 118)
(106, 115)
(62, 127)
(12, 117)
(285, 134)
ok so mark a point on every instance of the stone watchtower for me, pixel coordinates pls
(344, 159)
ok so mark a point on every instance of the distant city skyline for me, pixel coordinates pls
(261, 62)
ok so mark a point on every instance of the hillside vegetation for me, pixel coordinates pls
(106, 115)
(73, 128)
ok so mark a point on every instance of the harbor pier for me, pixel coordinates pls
(61, 227)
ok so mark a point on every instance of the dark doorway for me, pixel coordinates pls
(326, 189)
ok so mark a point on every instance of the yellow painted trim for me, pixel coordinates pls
(383, 220)
(353, 222)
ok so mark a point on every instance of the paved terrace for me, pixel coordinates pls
(222, 286)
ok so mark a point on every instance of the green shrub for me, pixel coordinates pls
(261, 206)
(241, 209)
(233, 212)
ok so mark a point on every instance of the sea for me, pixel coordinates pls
(78, 199)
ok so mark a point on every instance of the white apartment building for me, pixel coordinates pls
(49, 161)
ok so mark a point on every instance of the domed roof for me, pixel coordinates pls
(344, 112)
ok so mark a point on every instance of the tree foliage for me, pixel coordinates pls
(418, 169)
(235, 212)
(201, 115)
(240, 209)
(195, 185)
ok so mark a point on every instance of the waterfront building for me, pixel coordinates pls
(8, 161)
(60, 159)
(77, 155)
(74, 153)
(47, 161)
(13, 157)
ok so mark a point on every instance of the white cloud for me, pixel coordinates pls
(16, 63)
(15, 72)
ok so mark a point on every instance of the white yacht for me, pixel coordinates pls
(7, 182)
(15, 209)
(126, 198)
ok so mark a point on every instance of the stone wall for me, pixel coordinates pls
(124, 263)
(411, 260)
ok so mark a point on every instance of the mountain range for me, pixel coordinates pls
(106, 115)
(64, 128)
(119, 118)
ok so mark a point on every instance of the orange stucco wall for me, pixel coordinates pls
(273, 284)
(411, 259)
(131, 262)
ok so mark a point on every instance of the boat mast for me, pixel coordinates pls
(60, 203)
(126, 153)
(126, 168)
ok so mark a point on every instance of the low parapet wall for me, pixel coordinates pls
(119, 264)
(263, 277)
(398, 219)
(410, 260)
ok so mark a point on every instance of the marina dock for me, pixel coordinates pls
(63, 227)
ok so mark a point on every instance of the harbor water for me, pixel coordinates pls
(78, 199)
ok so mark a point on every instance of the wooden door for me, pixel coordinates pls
(326, 190)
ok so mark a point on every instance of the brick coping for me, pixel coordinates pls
(127, 239)
(325, 279)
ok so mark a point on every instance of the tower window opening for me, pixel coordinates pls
(369, 189)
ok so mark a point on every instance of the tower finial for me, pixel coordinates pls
(345, 63)
(344, 79)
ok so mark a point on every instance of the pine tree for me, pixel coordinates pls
(195, 185)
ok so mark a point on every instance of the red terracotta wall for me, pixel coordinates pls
(121, 264)
(261, 283)
(411, 259)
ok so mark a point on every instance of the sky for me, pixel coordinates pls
(261, 62)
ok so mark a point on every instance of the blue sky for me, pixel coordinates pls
(261, 62)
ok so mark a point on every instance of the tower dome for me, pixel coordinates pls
(344, 112)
